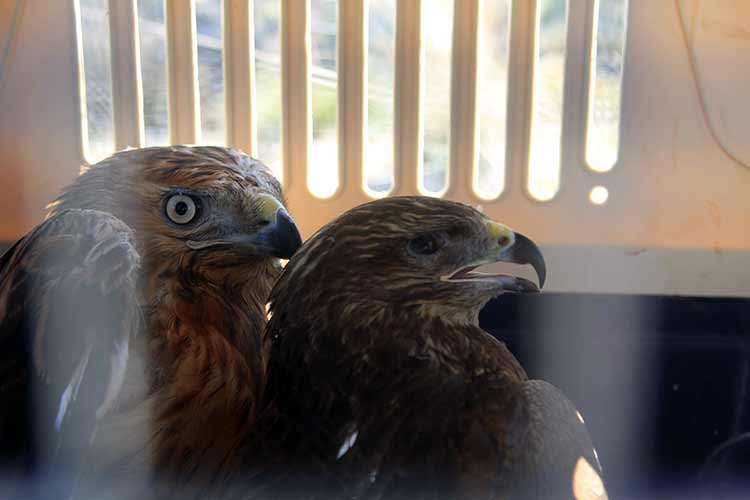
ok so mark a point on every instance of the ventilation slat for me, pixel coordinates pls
(445, 140)
(436, 107)
(408, 96)
(153, 51)
(351, 92)
(547, 101)
(463, 115)
(380, 68)
(209, 25)
(127, 92)
(323, 176)
(267, 84)
(182, 61)
(518, 99)
(95, 72)
(488, 181)
(608, 28)
(239, 75)
(295, 64)
(574, 181)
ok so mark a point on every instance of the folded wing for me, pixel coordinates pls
(553, 455)
(68, 310)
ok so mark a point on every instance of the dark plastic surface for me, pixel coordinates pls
(661, 381)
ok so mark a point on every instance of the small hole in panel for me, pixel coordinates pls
(599, 195)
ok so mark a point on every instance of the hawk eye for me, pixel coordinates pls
(424, 245)
(181, 208)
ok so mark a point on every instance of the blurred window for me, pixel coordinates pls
(489, 175)
(97, 122)
(547, 90)
(208, 25)
(437, 26)
(323, 170)
(494, 37)
(605, 84)
(381, 31)
(153, 40)
(267, 24)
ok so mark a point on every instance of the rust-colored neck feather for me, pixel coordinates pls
(206, 344)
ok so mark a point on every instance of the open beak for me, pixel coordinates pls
(277, 237)
(509, 247)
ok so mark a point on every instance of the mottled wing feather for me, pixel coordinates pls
(68, 309)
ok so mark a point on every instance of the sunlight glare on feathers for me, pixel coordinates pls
(587, 483)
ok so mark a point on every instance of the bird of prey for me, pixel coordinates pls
(381, 383)
(131, 319)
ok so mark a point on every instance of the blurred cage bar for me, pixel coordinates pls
(548, 114)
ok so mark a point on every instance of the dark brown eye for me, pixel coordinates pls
(424, 245)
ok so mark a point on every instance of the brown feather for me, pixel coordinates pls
(202, 358)
(381, 384)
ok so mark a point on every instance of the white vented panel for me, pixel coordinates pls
(647, 182)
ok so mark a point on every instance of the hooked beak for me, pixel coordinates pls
(277, 237)
(511, 247)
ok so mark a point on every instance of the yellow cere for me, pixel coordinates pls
(268, 205)
(500, 233)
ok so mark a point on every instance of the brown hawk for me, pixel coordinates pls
(381, 383)
(137, 309)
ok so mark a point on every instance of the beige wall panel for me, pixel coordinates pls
(39, 119)
(678, 215)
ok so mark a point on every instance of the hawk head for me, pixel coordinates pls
(404, 254)
(208, 205)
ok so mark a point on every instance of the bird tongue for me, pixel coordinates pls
(509, 283)
(464, 272)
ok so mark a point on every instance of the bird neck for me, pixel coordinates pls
(337, 380)
(207, 341)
